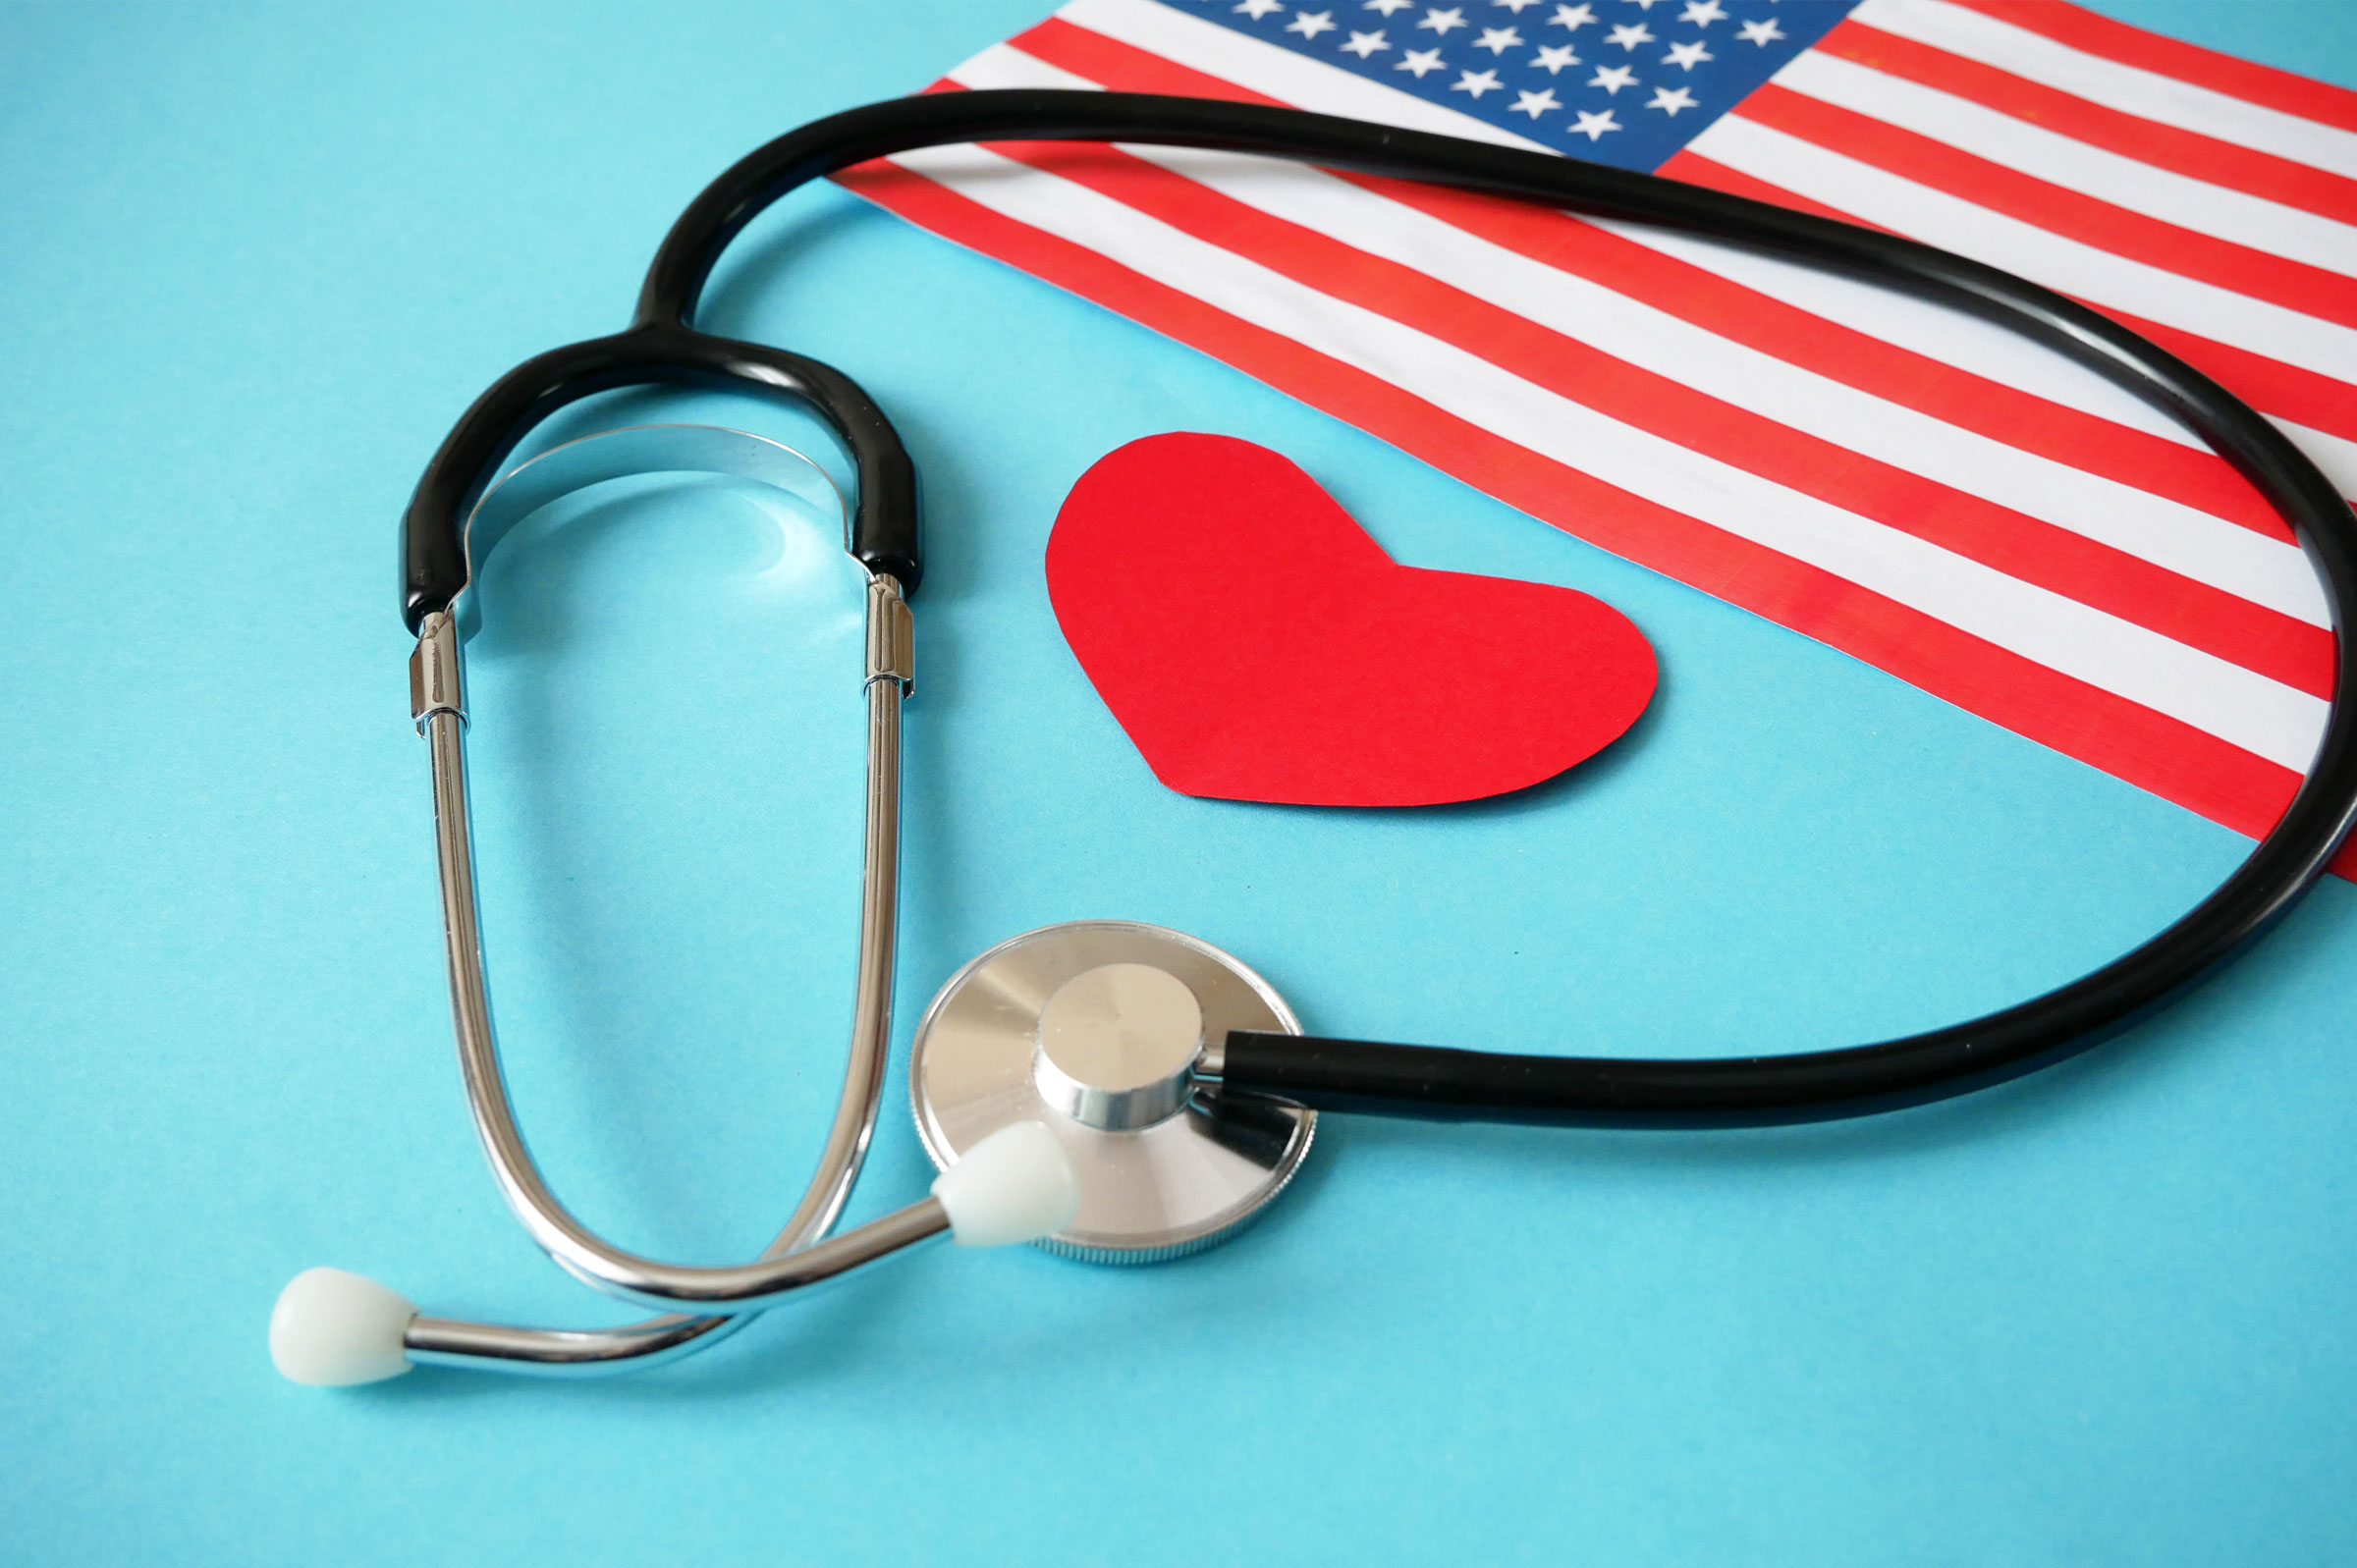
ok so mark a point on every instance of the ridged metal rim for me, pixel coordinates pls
(1136, 1257)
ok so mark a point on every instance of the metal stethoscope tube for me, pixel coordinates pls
(797, 1259)
(336, 1327)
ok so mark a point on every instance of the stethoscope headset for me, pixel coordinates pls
(1046, 1069)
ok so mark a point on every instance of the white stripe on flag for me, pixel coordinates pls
(2335, 457)
(1918, 326)
(2177, 537)
(1975, 347)
(2168, 533)
(1969, 345)
(1002, 65)
(2146, 94)
(1853, 185)
(2075, 165)
(2244, 709)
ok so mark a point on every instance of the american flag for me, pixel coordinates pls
(1954, 505)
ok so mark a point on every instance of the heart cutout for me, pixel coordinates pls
(1256, 644)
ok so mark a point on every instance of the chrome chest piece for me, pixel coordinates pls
(1097, 1028)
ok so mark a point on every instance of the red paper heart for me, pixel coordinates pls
(1257, 646)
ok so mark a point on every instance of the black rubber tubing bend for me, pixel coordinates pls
(662, 347)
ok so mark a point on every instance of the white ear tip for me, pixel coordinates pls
(330, 1329)
(1015, 1185)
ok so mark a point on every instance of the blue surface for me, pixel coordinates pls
(252, 264)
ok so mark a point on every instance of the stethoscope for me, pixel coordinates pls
(1114, 1091)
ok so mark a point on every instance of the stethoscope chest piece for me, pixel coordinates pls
(1096, 1027)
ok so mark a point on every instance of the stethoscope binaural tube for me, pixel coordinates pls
(334, 1327)
(662, 347)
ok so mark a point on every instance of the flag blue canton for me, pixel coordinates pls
(1626, 82)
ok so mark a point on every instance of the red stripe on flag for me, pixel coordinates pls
(2194, 476)
(2144, 748)
(2294, 285)
(2288, 391)
(2285, 391)
(2247, 79)
(1111, 63)
(2165, 146)
(2180, 607)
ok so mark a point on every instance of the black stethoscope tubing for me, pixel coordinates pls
(662, 347)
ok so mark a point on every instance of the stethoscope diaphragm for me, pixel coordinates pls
(1095, 1028)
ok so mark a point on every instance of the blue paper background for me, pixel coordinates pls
(254, 262)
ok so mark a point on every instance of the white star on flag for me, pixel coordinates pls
(1440, 21)
(1257, 9)
(1309, 23)
(1572, 16)
(1552, 60)
(1611, 79)
(1364, 44)
(1476, 83)
(1594, 126)
(1419, 61)
(1686, 56)
(1387, 7)
(1630, 34)
(1515, 6)
(1497, 39)
(1535, 104)
(1672, 99)
(1762, 33)
(1702, 12)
